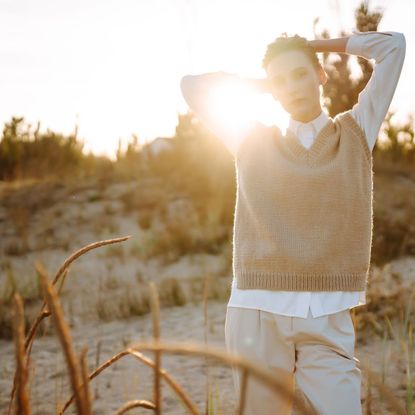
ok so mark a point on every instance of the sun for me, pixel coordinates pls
(230, 105)
(235, 106)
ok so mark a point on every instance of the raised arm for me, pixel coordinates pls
(231, 125)
(330, 45)
(388, 51)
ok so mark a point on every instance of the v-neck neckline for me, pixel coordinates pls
(298, 150)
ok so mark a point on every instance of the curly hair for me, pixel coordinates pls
(285, 43)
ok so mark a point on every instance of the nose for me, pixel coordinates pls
(292, 89)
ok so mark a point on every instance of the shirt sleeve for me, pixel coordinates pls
(202, 94)
(388, 51)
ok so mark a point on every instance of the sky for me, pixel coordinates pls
(113, 68)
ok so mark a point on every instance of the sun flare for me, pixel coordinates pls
(234, 106)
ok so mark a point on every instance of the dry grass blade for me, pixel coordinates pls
(389, 396)
(155, 310)
(97, 356)
(136, 404)
(85, 379)
(28, 342)
(62, 281)
(23, 406)
(272, 379)
(242, 395)
(62, 270)
(84, 250)
(139, 356)
(206, 322)
(45, 313)
(74, 369)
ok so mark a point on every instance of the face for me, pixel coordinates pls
(295, 83)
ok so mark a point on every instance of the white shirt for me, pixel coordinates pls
(388, 51)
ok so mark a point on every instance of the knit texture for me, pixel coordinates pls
(303, 217)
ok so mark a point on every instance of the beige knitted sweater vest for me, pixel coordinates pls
(303, 217)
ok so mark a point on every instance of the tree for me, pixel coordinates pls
(341, 91)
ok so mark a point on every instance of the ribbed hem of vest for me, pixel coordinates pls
(301, 282)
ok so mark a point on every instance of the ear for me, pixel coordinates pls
(322, 75)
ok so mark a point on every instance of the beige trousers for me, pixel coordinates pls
(318, 354)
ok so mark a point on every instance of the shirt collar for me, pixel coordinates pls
(318, 123)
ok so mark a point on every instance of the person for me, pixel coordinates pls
(303, 219)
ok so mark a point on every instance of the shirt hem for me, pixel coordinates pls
(325, 313)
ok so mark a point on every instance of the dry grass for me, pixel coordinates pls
(77, 367)
(23, 406)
